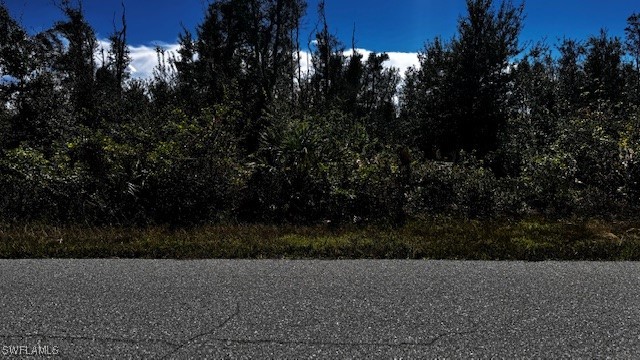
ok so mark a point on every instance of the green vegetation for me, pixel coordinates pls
(231, 129)
(530, 239)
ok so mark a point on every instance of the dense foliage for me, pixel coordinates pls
(232, 128)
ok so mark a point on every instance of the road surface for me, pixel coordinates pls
(318, 309)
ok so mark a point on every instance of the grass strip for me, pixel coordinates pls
(528, 239)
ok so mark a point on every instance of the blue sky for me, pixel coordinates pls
(400, 26)
(404, 25)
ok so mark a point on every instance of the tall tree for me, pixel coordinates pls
(571, 76)
(462, 88)
(426, 101)
(188, 84)
(378, 92)
(535, 92)
(353, 76)
(533, 122)
(29, 97)
(114, 70)
(632, 44)
(603, 65)
(77, 63)
(14, 47)
(482, 56)
(245, 56)
(119, 54)
(328, 62)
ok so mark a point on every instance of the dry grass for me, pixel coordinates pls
(530, 239)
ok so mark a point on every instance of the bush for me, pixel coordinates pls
(467, 188)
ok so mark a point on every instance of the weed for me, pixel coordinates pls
(438, 238)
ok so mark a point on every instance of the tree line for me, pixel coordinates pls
(232, 128)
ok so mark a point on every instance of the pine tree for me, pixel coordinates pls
(377, 98)
(571, 76)
(603, 65)
(461, 91)
(30, 100)
(482, 56)
(328, 62)
(426, 101)
(76, 64)
(632, 45)
(245, 59)
(114, 69)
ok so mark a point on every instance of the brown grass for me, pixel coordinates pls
(529, 239)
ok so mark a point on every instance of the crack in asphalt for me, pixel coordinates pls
(345, 343)
(89, 338)
(176, 345)
(180, 346)
(185, 343)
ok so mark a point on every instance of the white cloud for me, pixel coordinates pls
(144, 58)
(403, 61)
(399, 60)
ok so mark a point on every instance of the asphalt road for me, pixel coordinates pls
(318, 309)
